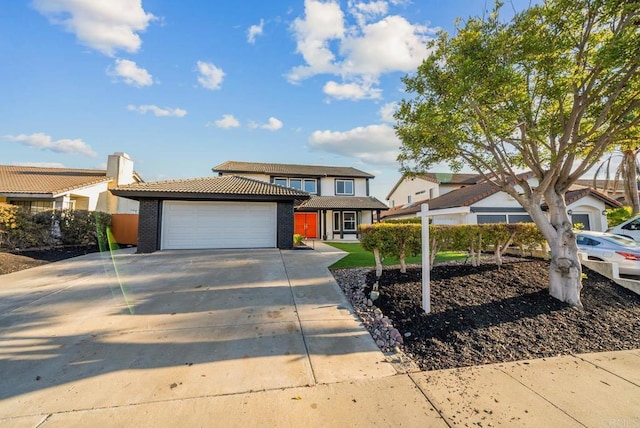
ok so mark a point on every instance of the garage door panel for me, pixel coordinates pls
(218, 225)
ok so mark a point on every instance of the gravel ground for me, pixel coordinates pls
(484, 315)
(18, 260)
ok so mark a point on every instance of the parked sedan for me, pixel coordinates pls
(611, 248)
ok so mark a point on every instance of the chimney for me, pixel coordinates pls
(120, 168)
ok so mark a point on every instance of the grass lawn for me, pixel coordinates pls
(358, 257)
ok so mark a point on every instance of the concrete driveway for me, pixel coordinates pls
(92, 332)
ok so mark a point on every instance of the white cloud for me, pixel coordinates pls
(351, 91)
(386, 112)
(228, 121)
(255, 31)
(364, 12)
(160, 112)
(359, 53)
(374, 144)
(273, 124)
(45, 142)
(210, 76)
(322, 23)
(392, 44)
(130, 73)
(106, 26)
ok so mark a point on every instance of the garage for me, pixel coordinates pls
(213, 212)
(191, 225)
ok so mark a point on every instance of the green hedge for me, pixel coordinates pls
(399, 239)
(19, 229)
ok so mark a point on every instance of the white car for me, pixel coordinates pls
(611, 248)
(629, 228)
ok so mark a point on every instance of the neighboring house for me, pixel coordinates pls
(38, 188)
(213, 212)
(339, 201)
(427, 186)
(487, 204)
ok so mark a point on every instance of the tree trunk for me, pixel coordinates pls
(403, 263)
(376, 255)
(630, 180)
(565, 272)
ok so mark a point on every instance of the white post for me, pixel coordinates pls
(426, 277)
(426, 273)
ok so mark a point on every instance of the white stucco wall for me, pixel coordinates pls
(328, 187)
(409, 187)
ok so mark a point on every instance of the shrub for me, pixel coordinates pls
(615, 216)
(297, 239)
(20, 229)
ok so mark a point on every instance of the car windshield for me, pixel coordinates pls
(623, 242)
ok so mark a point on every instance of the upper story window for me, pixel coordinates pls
(344, 187)
(307, 184)
(409, 199)
(310, 186)
(295, 183)
(281, 182)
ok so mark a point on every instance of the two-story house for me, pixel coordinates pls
(252, 205)
(339, 202)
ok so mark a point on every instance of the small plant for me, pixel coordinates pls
(297, 239)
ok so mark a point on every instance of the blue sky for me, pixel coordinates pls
(182, 86)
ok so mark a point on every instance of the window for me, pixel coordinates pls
(492, 218)
(295, 183)
(632, 225)
(420, 192)
(432, 193)
(344, 187)
(584, 240)
(409, 199)
(520, 218)
(348, 221)
(310, 186)
(33, 206)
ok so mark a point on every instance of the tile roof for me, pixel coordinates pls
(342, 202)
(209, 187)
(290, 169)
(468, 196)
(46, 181)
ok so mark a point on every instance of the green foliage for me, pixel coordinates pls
(20, 229)
(615, 216)
(548, 91)
(391, 239)
(297, 239)
(404, 220)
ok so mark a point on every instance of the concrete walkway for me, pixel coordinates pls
(255, 338)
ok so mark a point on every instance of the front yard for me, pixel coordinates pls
(359, 257)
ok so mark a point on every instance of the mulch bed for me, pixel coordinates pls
(486, 315)
(14, 261)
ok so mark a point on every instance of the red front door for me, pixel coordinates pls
(306, 224)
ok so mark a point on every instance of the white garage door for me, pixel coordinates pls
(218, 225)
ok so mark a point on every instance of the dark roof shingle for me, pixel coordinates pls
(289, 169)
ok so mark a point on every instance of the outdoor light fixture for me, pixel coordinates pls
(569, 212)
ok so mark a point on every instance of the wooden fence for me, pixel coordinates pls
(125, 228)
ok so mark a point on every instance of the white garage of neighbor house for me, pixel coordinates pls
(213, 212)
